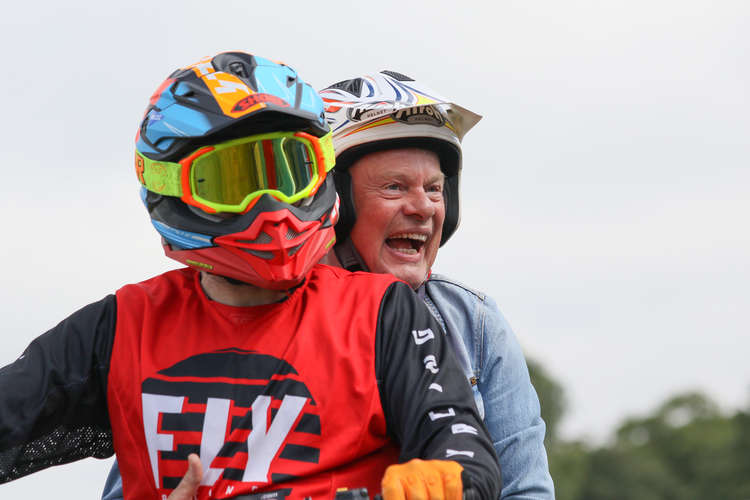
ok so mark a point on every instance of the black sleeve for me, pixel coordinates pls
(53, 406)
(427, 400)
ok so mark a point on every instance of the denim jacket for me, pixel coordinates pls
(495, 366)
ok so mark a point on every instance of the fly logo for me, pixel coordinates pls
(452, 453)
(422, 336)
(435, 415)
(263, 441)
(463, 429)
(240, 411)
(430, 363)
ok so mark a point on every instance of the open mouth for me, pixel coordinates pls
(407, 243)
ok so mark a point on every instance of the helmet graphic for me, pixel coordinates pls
(233, 154)
(389, 110)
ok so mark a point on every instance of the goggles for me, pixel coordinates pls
(232, 175)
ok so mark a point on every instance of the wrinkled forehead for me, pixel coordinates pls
(401, 162)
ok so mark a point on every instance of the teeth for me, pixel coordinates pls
(411, 236)
(407, 251)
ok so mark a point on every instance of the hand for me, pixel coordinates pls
(188, 487)
(423, 480)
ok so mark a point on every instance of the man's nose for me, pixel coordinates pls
(420, 204)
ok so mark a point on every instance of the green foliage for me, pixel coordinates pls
(687, 449)
(569, 466)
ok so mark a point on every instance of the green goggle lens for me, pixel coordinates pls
(231, 172)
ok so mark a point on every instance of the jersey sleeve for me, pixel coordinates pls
(428, 403)
(53, 407)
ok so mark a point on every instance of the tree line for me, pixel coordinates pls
(685, 449)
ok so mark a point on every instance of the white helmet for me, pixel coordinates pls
(389, 110)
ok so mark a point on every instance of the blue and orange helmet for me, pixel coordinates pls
(233, 154)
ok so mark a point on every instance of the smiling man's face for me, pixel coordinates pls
(398, 199)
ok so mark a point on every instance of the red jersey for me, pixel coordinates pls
(295, 399)
(254, 390)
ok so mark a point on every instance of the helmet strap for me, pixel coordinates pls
(349, 256)
(347, 215)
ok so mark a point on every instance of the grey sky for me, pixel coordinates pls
(605, 192)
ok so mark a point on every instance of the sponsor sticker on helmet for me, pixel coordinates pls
(253, 99)
(359, 114)
(428, 114)
(201, 265)
(154, 116)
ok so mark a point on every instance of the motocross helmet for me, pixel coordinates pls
(233, 153)
(389, 110)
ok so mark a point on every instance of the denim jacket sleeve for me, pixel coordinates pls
(113, 484)
(501, 383)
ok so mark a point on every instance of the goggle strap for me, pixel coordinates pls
(326, 145)
(160, 177)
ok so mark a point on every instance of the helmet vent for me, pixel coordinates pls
(239, 64)
(291, 234)
(353, 86)
(398, 76)
(260, 253)
(261, 239)
(238, 69)
(184, 89)
(294, 250)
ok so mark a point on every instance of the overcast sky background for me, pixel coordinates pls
(605, 193)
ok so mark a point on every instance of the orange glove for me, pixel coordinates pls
(423, 480)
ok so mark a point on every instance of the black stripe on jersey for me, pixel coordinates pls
(301, 453)
(181, 453)
(309, 423)
(182, 421)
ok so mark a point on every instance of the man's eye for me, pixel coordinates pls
(393, 187)
(437, 188)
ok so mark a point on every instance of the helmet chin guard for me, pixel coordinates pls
(275, 250)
